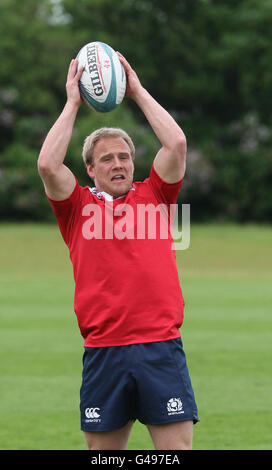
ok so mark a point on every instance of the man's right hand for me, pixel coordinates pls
(72, 88)
(59, 181)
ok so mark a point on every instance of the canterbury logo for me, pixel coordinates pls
(92, 412)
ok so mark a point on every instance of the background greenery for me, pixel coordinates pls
(208, 62)
(227, 335)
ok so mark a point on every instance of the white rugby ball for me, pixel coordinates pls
(103, 82)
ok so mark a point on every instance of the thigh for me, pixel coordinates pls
(107, 391)
(175, 436)
(109, 440)
(165, 393)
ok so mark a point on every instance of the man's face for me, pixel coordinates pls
(112, 168)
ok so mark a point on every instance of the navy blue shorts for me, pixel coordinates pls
(148, 381)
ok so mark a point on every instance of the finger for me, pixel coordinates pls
(123, 61)
(72, 69)
(80, 72)
(74, 65)
(120, 55)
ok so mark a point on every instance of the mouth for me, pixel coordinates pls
(118, 178)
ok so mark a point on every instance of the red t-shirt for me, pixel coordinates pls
(126, 280)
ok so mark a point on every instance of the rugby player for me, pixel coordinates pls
(128, 299)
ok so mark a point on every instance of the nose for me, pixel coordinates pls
(117, 163)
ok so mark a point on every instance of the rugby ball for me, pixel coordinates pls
(103, 82)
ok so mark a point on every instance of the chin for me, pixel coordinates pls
(119, 192)
(122, 189)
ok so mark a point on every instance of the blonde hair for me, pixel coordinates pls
(104, 132)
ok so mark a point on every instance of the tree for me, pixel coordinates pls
(206, 61)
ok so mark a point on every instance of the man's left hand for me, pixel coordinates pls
(133, 82)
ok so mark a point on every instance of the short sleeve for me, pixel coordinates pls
(166, 193)
(66, 212)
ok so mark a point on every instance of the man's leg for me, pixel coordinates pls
(109, 440)
(175, 436)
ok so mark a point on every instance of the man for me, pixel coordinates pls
(128, 300)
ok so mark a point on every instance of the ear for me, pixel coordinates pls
(90, 170)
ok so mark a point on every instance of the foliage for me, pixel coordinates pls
(206, 61)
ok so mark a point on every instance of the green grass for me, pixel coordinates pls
(226, 278)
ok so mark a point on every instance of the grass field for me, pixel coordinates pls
(226, 276)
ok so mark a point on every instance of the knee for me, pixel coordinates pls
(92, 442)
(186, 445)
(172, 436)
(97, 446)
(91, 446)
(176, 445)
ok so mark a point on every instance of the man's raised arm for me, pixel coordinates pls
(58, 180)
(170, 161)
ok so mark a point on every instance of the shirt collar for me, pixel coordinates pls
(106, 196)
